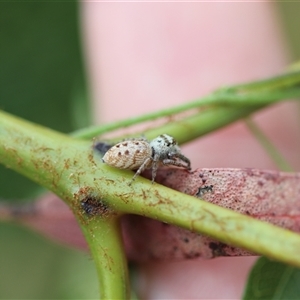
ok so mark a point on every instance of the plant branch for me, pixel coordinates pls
(252, 96)
(67, 167)
(277, 157)
(103, 235)
(70, 169)
(99, 194)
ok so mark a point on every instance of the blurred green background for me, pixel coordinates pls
(42, 79)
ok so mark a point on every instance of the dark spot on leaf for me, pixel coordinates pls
(213, 246)
(203, 190)
(260, 183)
(218, 249)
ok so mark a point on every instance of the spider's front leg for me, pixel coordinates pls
(185, 159)
(174, 162)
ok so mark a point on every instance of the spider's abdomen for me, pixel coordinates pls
(129, 154)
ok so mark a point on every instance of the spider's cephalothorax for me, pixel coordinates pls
(139, 154)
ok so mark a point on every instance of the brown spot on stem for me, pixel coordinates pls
(93, 206)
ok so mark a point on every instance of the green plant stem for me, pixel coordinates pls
(70, 169)
(65, 166)
(277, 157)
(105, 241)
(280, 82)
(199, 124)
(253, 94)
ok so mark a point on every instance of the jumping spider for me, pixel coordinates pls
(140, 154)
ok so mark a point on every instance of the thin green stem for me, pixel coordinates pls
(199, 124)
(187, 128)
(221, 98)
(275, 155)
(258, 93)
(280, 82)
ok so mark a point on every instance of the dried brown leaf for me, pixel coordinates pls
(269, 196)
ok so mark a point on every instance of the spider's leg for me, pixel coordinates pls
(175, 163)
(185, 159)
(154, 167)
(141, 169)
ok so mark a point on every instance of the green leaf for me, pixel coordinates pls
(41, 73)
(273, 280)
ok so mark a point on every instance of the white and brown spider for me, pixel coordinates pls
(140, 154)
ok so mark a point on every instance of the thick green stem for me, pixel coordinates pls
(105, 241)
(67, 167)
(71, 169)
